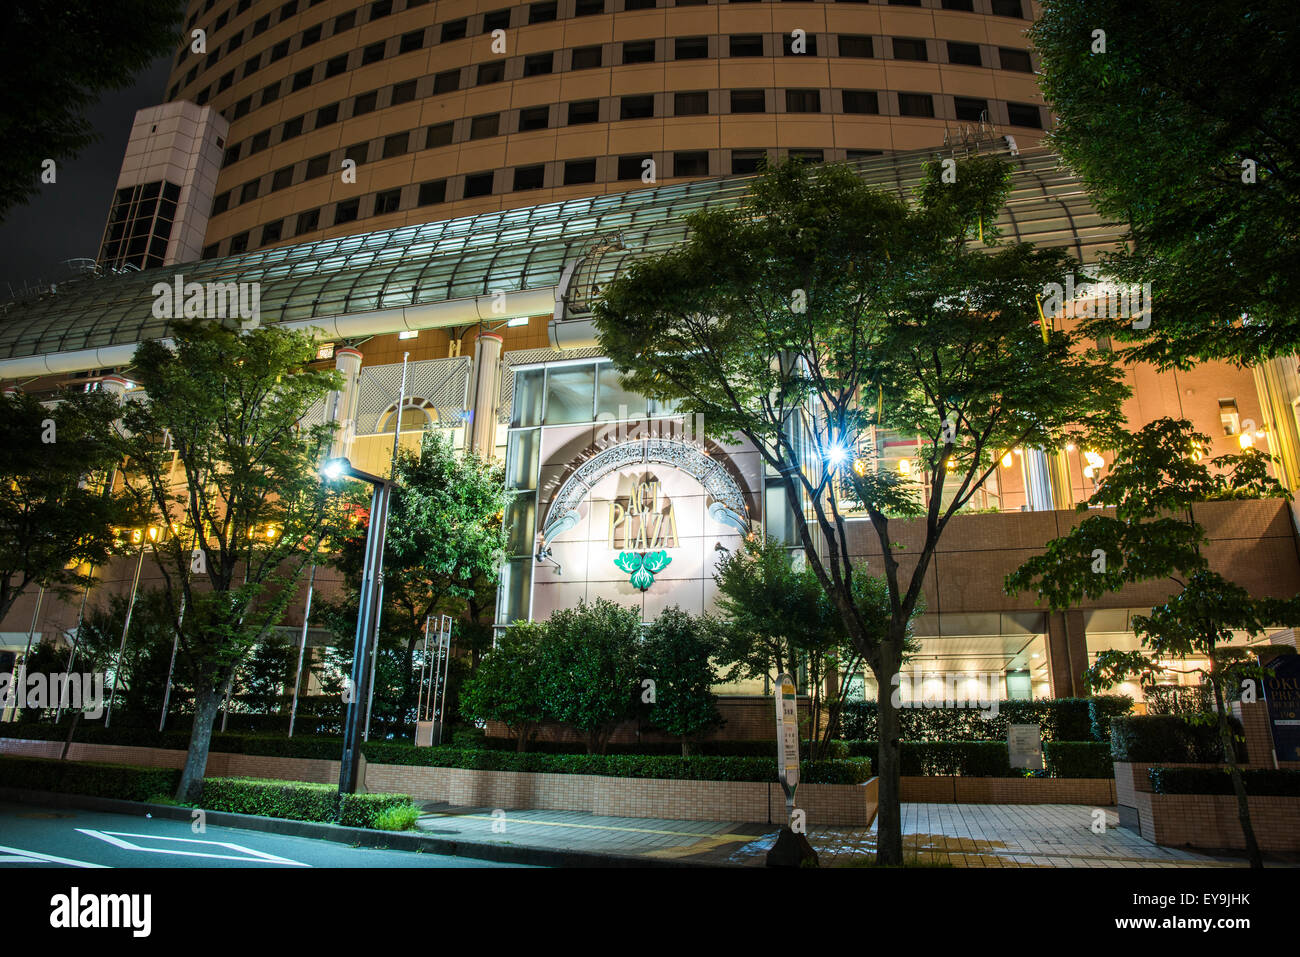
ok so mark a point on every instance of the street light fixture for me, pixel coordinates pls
(367, 612)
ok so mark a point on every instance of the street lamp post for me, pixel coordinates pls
(367, 610)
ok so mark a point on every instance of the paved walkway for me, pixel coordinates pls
(956, 835)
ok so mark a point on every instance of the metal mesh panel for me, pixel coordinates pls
(506, 400)
(440, 385)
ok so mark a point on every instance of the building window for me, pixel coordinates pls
(747, 161)
(1024, 114)
(252, 65)
(541, 12)
(373, 53)
(639, 51)
(803, 101)
(291, 129)
(221, 203)
(496, 20)
(248, 192)
(856, 45)
(691, 48)
(403, 93)
(365, 103)
(915, 104)
(455, 30)
(211, 252)
(579, 171)
(1229, 416)
(380, 8)
(336, 65)
(484, 126)
(693, 103)
(345, 21)
(534, 118)
(493, 72)
(538, 64)
(632, 167)
(347, 211)
(226, 82)
(638, 4)
(271, 93)
(746, 44)
(434, 191)
(446, 81)
(585, 58)
(748, 101)
(967, 6)
(307, 222)
(861, 101)
(327, 115)
(909, 49)
(693, 163)
(357, 153)
(584, 111)
(271, 232)
(964, 54)
(478, 184)
(637, 107)
(530, 177)
(309, 36)
(301, 80)
(259, 142)
(587, 8)
(439, 135)
(1008, 8)
(1017, 60)
(231, 156)
(411, 41)
(970, 110)
(282, 179)
(318, 166)
(279, 51)
(396, 145)
(808, 156)
(388, 201)
(238, 244)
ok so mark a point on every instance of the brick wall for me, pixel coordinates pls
(943, 789)
(1209, 821)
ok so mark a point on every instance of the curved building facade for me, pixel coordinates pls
(455, 107)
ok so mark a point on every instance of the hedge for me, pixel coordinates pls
(298, 801)
(124, 781)
(1259, 783)
(1059, 719)
(1166, 737)
(1078, 759)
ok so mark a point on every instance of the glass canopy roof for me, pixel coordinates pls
(512, 250)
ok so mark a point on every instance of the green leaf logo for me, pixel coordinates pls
(642, 567)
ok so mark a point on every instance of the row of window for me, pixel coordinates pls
(576, 172)
(540, 64)
(581, 112)
(407, 42)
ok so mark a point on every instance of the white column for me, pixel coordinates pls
(482, 437)
(1038, 482)
(343, 404)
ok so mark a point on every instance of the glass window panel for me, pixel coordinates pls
(516, 583)
(570, 392)
(612, 400)
(521, 459)
(528, 397)
(519, 518)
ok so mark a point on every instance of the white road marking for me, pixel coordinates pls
(36, 857)
(249, 855)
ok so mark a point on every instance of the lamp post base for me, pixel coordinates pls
(791, 850)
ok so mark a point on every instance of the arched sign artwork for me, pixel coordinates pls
(642, 526)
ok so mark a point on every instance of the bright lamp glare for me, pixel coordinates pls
(837, 455)
(334, 469)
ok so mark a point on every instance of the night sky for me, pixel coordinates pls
(66, 219)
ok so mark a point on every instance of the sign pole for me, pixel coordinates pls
(791, 848)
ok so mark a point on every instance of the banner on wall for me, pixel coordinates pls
(1282, 696)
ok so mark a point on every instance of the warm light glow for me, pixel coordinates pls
(1095, 463)
(1006, 460)
(1246, 440)
(409, 334)
(860, 466)
(1069, 446)
(904, 467)
(518, 321)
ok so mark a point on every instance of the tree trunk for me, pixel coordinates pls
(207, 701)
(889, 815)
(72, 729)
(1238, 785)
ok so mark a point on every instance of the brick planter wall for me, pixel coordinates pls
(1095, 792)
(1209, 821)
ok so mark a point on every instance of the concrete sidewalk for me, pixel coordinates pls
(943, 835)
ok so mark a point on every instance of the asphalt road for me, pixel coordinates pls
(32, 836)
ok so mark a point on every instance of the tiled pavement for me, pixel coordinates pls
(957, 835)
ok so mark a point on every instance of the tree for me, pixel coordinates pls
(506, 684)
(57, 517)
(59, 56)
(442, 555)
(1211, 183)
(820, 307)
(1158, 476)
(676, 655)
(219, 454)
(589, 672)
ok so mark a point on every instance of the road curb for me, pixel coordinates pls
(355, 836)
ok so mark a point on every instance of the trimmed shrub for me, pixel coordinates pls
(399, 818)
(299, 801)
(1078, 759)
(1060, 719)
(124, 781)
(1166, 737)
(1259, 783)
